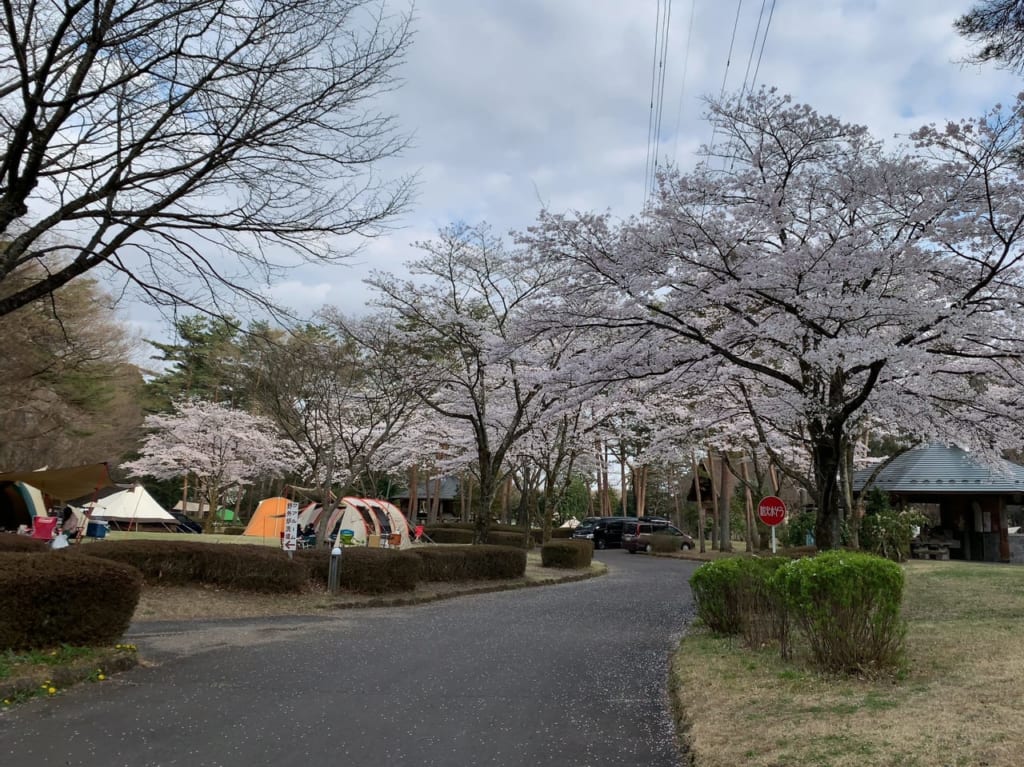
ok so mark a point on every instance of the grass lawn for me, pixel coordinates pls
(956, 702)
(117, 535)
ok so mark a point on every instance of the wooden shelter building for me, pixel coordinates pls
(969, 500)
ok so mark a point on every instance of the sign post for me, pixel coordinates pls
(290, 539)
(772, 511)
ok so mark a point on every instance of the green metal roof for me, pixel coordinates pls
(937, 468)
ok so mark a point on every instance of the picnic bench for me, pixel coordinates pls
(933, 548)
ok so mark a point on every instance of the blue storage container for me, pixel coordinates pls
(96, 530)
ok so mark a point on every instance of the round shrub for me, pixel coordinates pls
(53, 599)
(722, 589)
(575, 555)
(561, 532)
(847, 606)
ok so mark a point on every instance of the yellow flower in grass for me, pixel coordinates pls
(100, 676)
(51, 690)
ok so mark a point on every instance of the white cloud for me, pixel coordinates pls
(515, 105)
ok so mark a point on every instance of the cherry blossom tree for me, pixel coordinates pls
(457, 313)
(833, 280)
(222, 448)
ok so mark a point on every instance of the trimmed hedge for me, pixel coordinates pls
(506, 538)
(367, 571)
(575, 555)
(233, 566)
(57, 599)
(484, 562)
(450, 534)
(847, 606)
(561, 532)
(10, 542)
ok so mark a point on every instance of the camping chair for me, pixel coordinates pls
(420, 535)
(44, 528)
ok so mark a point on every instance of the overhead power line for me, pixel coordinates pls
(682, 89)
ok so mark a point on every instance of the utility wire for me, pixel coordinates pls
(764, 39)
(650, 116)
(725, 76)
(753, 48)
(682, 90)
(661, 91)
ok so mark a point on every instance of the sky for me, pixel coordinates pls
(515, 105)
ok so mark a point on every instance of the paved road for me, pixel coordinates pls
(563, 675)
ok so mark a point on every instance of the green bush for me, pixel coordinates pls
(173, 563)
(847, 605)
(797, 527)
(483, 562)
(364, 570)
(53, 599)
(22, 543)
(715, 587)
(561, 533)
(450, 534)
(574, 555)
(738, 596)
(885, 531)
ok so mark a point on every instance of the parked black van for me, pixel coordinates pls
(603, 532)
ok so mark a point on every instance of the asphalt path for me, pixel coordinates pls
(572, 674)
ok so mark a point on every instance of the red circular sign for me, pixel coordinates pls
(771, 511)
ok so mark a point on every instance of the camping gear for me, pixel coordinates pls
(268, 519)
(131, 507)
(43, 528)
(96, 528)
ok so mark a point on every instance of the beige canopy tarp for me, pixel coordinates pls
(64, 484)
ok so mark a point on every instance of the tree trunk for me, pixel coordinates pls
(826, 455)
(435, 500)
(606, 497)
(749, 499)
(849, 509)
(414, 501)
(725, 493)
(488, 491)
(624, 500)
(701, 518)
(720, 538)
(640, 489)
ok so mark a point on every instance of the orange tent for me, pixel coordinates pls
(268, 519)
